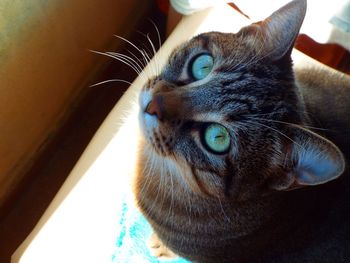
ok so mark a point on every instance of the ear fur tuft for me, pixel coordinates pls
(278, 32)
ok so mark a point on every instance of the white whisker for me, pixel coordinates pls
(279, 132)
(159, 46)
(287, 123)
(154, 53)
(128, 59)
(223, 211)
(119, 59)
(140, 62)
(156, 69)
(142, 52)
(129, 42)
(147, 60)
(111, 80)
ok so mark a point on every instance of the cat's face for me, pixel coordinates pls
(222, 115)
(213, 109)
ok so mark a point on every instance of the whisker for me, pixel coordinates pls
(130, 43)
(170, 211)
(159, 45)
(127, 58)
(162, 186)
(119, 59)
(142, 52)
(126, 62)
(279, 132)
(148, 58)
(287, 123)
(150, 164)
(223, 211)
(146, 47)
(156, 69)
(110, 80)
(159, 187)
(140, 62)
(158, 33)
(154, 53)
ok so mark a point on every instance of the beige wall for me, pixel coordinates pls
(44, 65)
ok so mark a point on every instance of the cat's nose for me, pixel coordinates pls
(154, 107)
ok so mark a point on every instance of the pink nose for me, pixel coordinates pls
(155, 107)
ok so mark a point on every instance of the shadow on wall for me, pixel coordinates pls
(45, 67)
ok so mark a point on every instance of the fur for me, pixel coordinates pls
(276, 195)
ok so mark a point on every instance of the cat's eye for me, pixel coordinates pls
(202, 66)
(216, 138)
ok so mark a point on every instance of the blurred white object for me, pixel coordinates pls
(342, 18)
(187, 7)
(325, 21)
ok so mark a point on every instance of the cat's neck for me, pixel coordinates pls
(168, 202)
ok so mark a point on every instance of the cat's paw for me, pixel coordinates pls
(159, 250)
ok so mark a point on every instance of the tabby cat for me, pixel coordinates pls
(233, 167)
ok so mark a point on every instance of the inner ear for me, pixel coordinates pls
(313, 160)
(316, 160)
(278, 32)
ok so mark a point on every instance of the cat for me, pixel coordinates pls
(233, 166)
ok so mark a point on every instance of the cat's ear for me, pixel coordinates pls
(278, 32)
(313, 160)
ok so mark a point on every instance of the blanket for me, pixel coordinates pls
(132, 233)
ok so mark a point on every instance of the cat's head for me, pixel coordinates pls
(226, 114)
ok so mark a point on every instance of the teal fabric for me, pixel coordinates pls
(132, 233)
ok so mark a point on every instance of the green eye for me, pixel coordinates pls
(217, 138)
(202, 66)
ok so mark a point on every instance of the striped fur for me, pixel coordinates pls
(230, 207)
